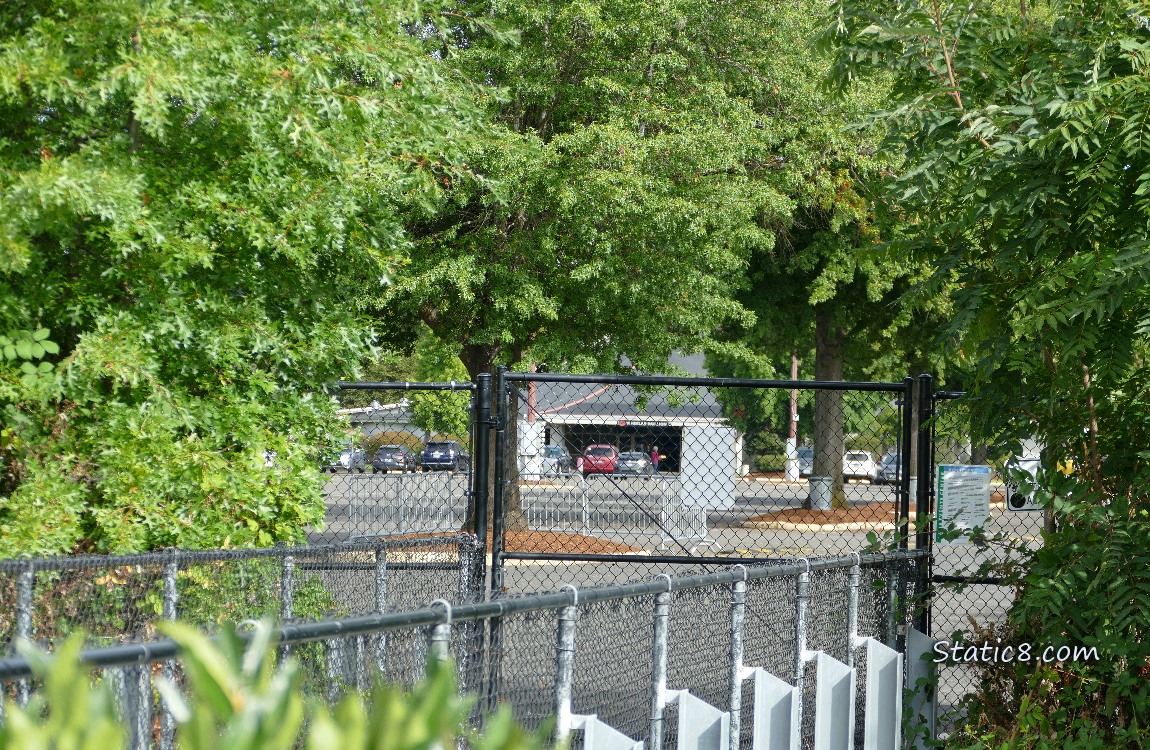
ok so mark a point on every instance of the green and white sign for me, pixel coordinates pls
(963, 501)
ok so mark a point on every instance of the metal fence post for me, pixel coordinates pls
(439, 642)
(481, 475)
(287, 587)
(892, 602)
(140, 731)
(25, 582)
(171, 603)
(905, 466)
(659, 667)
(333, 653)
(500, 416)
(802, 595)
(923, 505)
(585, 506)
(361, 663)
(738, 612)
(466, 554)
(852, 611)
(467, 593)
(380, 639)
(287, 595)
(565, 668)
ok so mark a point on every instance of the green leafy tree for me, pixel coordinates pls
(826, 290)
(187, 193)
(1027, 180)
(627, 152)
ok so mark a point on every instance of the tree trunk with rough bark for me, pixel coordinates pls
(830, 439)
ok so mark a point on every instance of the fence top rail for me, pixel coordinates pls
(704, 382)
(182, 556)
(454, 385)
(142, 653)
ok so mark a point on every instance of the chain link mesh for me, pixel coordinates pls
(959, 611)
(406, 471)
(613, 664)
(598, 468)
(119, 599)
(512, 659)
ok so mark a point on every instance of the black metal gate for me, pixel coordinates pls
(604, 478)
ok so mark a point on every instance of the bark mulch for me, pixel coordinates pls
(547, 541)
(873, 512)
(862, 513)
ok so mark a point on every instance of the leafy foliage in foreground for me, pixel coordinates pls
(1087, 586)
(240, 699)
(1028, 185)
(187, 192)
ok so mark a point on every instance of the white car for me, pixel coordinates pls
(859, 465)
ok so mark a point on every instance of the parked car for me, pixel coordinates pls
(859, 465)
(600, 459)
(888, 468)
(556, 460)
(631, 462)
(349, 459)
(806, 458)
(444, 455)
(393, 458)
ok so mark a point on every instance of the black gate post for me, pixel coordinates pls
(922, 504)
(481, 495)
(500, 416)
(493, 688)
(902, 494)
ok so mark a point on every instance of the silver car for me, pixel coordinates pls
(806, 458)
(349, 459)
(556, 460)
(888, 469)
(634, 462)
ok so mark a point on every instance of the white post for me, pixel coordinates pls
(792, 474)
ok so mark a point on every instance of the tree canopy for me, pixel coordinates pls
(188, 192)
(632, 160)
(1027, 182)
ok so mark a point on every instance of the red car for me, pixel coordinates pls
(600, 459)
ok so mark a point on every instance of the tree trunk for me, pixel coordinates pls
(830, 439)
(477, 359)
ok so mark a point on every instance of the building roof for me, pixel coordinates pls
(596, 403)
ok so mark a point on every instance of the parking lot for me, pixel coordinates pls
(641, 512)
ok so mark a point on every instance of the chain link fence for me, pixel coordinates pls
(626, 646)
(598, 467)
(121, 599)
(968, 597)
(406, 467)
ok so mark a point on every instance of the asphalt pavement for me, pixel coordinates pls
(647, 513)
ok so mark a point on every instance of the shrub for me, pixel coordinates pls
(1086, 586)
(240, 698)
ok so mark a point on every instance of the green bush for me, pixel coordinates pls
(771, 462)
(240, 698)
(1086, 586)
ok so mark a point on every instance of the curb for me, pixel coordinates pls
(851, 526)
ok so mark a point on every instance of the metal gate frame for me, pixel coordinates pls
(910, 392)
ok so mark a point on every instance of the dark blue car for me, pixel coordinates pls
(444, 455)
